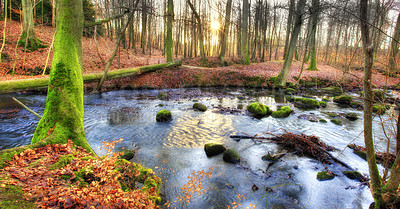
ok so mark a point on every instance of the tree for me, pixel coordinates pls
(394, 49)
(200, 31)
(63, 115)
(284, 74)
(314, 20)
(245, 40)
(289, 25)
(225, 32)
(28, 37)
(170, 19)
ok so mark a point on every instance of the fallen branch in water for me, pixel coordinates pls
(27, 108)
(380, 156)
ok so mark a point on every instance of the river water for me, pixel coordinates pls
(175, 149)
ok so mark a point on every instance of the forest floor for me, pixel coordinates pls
(31, 64)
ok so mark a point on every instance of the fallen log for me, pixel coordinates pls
(40, 83)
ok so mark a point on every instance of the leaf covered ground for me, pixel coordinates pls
(64, 176)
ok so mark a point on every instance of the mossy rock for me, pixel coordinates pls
(259, 110)
(306, 103)
(200, 107)
(379, 95)
(355, 104)
(332, 90)
(332, 114)
(322, 104)
(343, 99)
(290, 99)
(162, 96)
(62, 162)
(271, 157)
(212, 149)
(353, 175)
(324, 176)
(289, 91)
(337, 122)
(379, 109)
(231, 156)
(322, 121)
(128, 154)
(283, 112)
(351, 116)
(163, 116)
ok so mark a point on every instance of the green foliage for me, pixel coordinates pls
(42, 12)
(163, 116)
(199, 107)
(283, 112)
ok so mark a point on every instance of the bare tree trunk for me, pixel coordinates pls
(28, 37)
(313, 53)
(284, 74)
(200, 31)
(289, 26)
(394, 49)
(245, 40)
(144, 26)
(170, 19)
(225, 32)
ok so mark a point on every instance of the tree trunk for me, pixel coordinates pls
(245, 40)
(368, 140)
(313, 53)
(200, 31)
(289, 26)
(53, 13)
(170, 19)
(284, 74)
(225, 32)
(63, 116)
(28, 37)
(144, 26)
(394, 49)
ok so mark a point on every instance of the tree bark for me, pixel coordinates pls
(313, 53)
(394, 49)
(63, 115)
(170, 19)
(225, 32)
(28, 37)
(289, 26)
(284, 74)
(200, 31)
(368, 99)
(245, 41)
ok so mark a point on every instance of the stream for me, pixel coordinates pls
(175, 149)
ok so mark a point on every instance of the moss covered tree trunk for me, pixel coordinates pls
(225, 32)
(313, 33)
(245, 40)
(170, 20)
(28, 37)
(394, 49)
(284, 74)
(63, 115)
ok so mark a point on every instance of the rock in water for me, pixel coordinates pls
(324, 176)
(212, 149)
(199, 107)
(231, 156)
(163, 116)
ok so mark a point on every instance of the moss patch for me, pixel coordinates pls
(283, 112)
(259, 110)
(212, 149)
(306, 103)
(343, 99)
(231, 156)
(12, 197)
(199, 107)
(62, 162)
(379, 109)
(332, 90)
(337, 122)
(324, 176)
(163, 116)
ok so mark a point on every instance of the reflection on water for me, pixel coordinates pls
(175, 149)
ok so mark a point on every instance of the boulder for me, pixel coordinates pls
(337, 122)
(163, 116)
(212, 149)
(322, 104)
(351, 116)
(231, 156)
(200, 107)
(324, 176)
(353, 175)
(162, 96)
(332, 90)
(128, 154)
(343, 99)
(289, 91)
(283, 112)
(306, 103)
(258, 109)
(272, 157)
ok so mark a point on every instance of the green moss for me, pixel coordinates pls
(332, 114)
(354, 104)
(283, 112)
(62, 162)
(163, 116)
(289, 91)
(35, 163)
(324, 176)
(332, 89)
(11, 197)
(306, 103)
(253, 81)
(351, 116)
(322, 104)
(379, 109)
(199, 107)
(259, 110)
(162, 96)
(231, 156)
(88, 158)
(343, 99)
(31, 43)
(212, 149)
(66, 177)
(322, 121)
(269, 157)
(128, 154)
(337, 122)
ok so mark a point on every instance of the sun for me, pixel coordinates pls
(215, 25)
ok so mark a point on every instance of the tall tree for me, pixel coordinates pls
(144, 26)
(289, 25)
(394, 49)
(313, 33)
(170, 19)
(245, 28)
(63, 115)
(284, 74)
(28, 37)
(225, 32)
(200, 31)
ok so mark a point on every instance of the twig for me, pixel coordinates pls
(27, 108)
(48, 54)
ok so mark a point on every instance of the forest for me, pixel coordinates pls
(199, 104)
